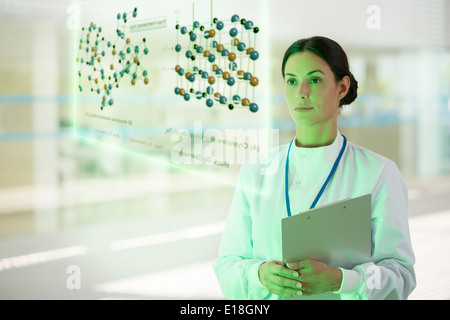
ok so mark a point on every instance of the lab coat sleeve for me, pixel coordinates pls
(236, 269)
(390, 275)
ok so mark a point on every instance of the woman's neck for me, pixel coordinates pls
(315, 136)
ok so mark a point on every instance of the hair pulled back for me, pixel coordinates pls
(333, 54)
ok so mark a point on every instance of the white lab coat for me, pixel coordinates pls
(253, 230)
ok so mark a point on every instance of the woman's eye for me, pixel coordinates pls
(315, 80)
(291, 82)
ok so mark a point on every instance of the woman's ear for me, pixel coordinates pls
(343, 87)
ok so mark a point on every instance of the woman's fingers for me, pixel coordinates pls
(279, 279)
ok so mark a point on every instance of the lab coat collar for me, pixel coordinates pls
(324, 154)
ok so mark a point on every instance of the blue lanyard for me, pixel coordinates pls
(333, 169)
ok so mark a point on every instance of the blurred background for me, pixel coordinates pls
(81, 219)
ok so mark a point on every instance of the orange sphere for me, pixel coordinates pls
(187, 75)
(249, 50)
(211, 33)
(225, 75)
(146, 80)
(235, 41)
(232, 56)
(217, 95)
(254, 81)
(220, 47)
(177, 67)
(211, 79)
(245, 102)
(182, 92)
(215, 67)
(206, 53)
(240, 74)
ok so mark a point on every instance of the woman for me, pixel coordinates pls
(318, 83)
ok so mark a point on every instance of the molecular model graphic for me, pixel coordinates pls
(219, 63)
(108, 63)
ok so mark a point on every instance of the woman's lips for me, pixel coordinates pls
(303, 109)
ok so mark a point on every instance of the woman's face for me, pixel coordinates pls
(311, 90)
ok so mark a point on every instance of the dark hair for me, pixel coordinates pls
(333, 54)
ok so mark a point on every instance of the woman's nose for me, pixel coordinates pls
(303, 91)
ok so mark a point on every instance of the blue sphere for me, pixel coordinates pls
(178, 48)
(186, 96)
(209, 102)
(193, 37)
(183, 30)
(253, 107)
(219, 71)
(145, 50)
(232, 66)
(236, 99)
(247, 76)
(191, 78)
(177, 90)
(188, 54)
(211, 58)
(223, 100)
(196, 24)
(235, 18)
(231, 81)
(215, 44)
(233, 32)
(199, 49)
(181, 71)
(254, 55)
(205, 75)
(198, 95)
(209, 90)
(225, 53)
(248, 25)
(241, 46)
(219, 25)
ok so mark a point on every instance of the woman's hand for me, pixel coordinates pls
(305, 277)
(316, 277)
(279, 280)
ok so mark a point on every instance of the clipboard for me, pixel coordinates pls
(338, 234)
